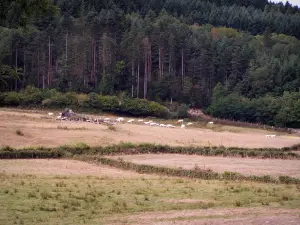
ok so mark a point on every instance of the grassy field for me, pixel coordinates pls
(35, 128)
(68, 191)
(36, 199)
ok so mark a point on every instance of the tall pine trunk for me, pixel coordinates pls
(49, 62)
(132, 77)
(138, 81)
(38, 67)
(16, 80)
(146, 75)
(24, 68)
(182, 68)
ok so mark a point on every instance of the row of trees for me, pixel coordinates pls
(156, 49)
(273, 110)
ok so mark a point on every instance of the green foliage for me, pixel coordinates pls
(11, 99)
(272, 110)
(31, 96)
(61, 100)
(108, 103)
(142, 107)
(158, 50)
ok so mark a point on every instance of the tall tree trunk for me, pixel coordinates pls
(159, 63)
(38, 67)
(67, 34)
(182, 68)
(44, 58)
(24, 68)
(146, 75)
(138, 81)
(49, 62)
(16, 80)
(132, 77)
(170, 62)
(146, 66)
(149, 61)
(94, 64)
(92, 59)
(162, 63)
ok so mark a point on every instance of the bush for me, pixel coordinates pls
(12, 99)
(2, 97)
(108, 103)
(31, 96)
(182, 111)
(92, 100)
(142, 107)
(137, 107)
(82, 100)
(61, 100)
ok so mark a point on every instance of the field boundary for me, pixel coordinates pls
(129, 149)
(206, 174)
(84, 152)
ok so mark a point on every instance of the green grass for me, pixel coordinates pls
(27, 199)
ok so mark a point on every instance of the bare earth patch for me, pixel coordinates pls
(246, 166)
(41, 130)
(231, 216)
(62, 167)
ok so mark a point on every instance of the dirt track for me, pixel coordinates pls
(242, 216)
(273, 167)
(42, 131)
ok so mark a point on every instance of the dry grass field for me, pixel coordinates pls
(62, 167)
(245, 166)
(40, 130)
(65, 191)
(79, 193)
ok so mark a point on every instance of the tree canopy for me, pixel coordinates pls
(159, 50)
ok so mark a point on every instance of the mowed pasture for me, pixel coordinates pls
(68, 196)
(244, 166)
(69, 191)
(38, 129)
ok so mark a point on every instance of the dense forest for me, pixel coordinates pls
(239, 59)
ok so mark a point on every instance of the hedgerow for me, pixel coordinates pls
(196, 173)
(95, 153)
(129, 148)
(34, 97)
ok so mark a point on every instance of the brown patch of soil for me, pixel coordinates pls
(233, 216)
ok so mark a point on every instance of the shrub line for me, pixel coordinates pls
(206, 174)
(129, 149)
